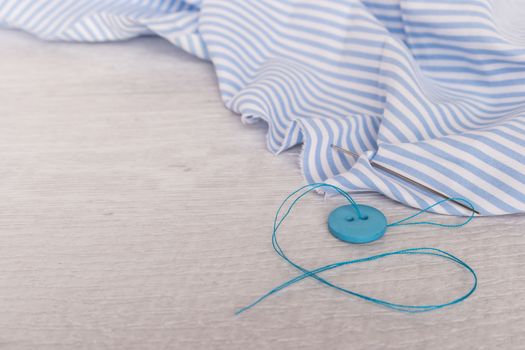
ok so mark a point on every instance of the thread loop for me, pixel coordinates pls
(305, 273)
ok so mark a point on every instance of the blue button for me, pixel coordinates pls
(346, 225)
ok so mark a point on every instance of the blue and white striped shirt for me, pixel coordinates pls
(433, 89)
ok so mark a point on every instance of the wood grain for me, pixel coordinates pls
(136, 214)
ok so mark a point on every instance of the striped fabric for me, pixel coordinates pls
(433, 89)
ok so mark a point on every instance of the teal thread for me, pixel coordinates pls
(411, 251)
(403, 222)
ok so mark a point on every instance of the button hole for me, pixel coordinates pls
(365, 217)
(351, 218)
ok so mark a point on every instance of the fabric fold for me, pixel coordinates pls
(433, 89)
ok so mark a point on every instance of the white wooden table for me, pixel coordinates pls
(136, 213)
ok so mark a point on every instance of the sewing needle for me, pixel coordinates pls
(403, 177)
